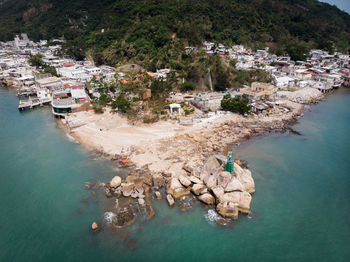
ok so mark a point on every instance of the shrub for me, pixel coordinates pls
(237, 104)
(98, 109)
(122, 103)
(187, 86)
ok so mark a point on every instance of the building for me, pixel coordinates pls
(209, 101)
(258, 89)
(70, 100)
(49, 83)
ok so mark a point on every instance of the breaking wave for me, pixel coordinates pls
(212, 216)
(108, 217)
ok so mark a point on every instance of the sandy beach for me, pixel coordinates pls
(167, 146)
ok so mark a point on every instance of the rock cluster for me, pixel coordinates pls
(230, 193)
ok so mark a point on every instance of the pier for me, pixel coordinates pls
(32, 103)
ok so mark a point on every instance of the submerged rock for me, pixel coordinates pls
(125, 217)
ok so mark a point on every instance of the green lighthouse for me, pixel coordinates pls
(229, 167)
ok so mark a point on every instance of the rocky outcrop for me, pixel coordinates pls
(210, 181)
(211, 165)
(244, 202)
(224, 178)
(218, 192)
(245, 177)
(170, 200)
(207, 199)
(195, 180)
(127, 189)
(175, 188)
(185, 181)
(197, 189)
(228, 210)
(95, 227)
(115, 182)
(234, 185)
(158, 195)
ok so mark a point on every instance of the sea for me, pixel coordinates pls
(300, 211)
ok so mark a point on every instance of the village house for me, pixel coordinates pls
(208, 101)
(49, 83)
(258, 89)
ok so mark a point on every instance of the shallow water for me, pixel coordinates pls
(301, 210)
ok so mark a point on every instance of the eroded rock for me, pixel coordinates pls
(228, 210)
(207, 199)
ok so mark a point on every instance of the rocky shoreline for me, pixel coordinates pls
(189, 166)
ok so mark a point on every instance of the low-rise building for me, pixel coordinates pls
(258, 89)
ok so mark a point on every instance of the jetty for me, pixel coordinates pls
(33, 103)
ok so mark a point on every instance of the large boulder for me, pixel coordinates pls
(233, 197)
(211, 181)
(189, 166)
(224, 178)
(127, 189)
(197, 188)
(234, 185)
(221, 158)
(245, 177)
(211, 165)
(228, 210)
(185, 181)
(218, 192)
(115, 182)
(195, 180)
(175, 188)
(244, 202)
(207, 199)
(170, 200)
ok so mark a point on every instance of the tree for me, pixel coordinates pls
(187, 86)
(122, 103)
(36, 60)
(237, 104)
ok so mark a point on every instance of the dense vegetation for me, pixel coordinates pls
(36, 60)
(237, 104)
(153, 32)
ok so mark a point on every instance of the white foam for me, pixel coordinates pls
(108, 217)
(212, 216)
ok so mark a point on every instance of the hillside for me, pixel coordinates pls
(147, 30)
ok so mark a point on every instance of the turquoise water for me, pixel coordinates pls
(301, 210)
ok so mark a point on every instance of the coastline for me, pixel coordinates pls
(181, 159)
(165, 147)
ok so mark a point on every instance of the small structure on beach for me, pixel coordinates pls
(174, 108)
